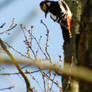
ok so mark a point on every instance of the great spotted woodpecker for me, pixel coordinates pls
(59, 12)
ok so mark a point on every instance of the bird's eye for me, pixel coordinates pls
(43, 7)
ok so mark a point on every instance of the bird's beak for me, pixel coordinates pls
(45, 14)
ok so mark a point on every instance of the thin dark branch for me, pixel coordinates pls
(8, 88)
(27, 42)
(12, 26)
(17, 51)
(40, 47)
(1, 26)
(47, 35)
(9, 74)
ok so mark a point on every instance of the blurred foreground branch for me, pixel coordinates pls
(80, 73)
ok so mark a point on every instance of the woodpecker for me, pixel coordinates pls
(60, 13)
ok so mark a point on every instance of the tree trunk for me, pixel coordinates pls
(80, 47)
(85, 41)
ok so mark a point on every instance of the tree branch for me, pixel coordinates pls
(29, 89)
(74, 71)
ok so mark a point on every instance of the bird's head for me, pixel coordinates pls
(44, 5)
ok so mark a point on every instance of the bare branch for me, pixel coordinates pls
(17, 51)
(29, 89)
(46, 48)
(12, 26)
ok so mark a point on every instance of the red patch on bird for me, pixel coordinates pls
(69, 22)
(69, 19)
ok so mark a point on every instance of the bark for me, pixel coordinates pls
(69, 84)
(85, 41)
(81, 43)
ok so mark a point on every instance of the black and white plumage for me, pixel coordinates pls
(60, 13)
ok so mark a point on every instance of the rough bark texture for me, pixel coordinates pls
(69, 84)
(80, 46)
(85, 41)
(81, 41)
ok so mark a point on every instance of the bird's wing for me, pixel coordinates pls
(64, 7)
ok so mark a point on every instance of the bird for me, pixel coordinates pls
(60, 13)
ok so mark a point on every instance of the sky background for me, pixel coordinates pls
(28, 13)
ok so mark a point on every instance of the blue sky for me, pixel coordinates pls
(21, 10)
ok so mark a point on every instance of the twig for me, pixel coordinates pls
(9, 74)
(30, 33)
(50, 72)
(17, 51)
(27, 42)
(44, 82)
(12, 26)
(40, 47)
(52, 82)
(36, 81)
(8, 88)
(1, 26)
(9, 29)
(46, 48)
(39, 44)
(29, 89)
